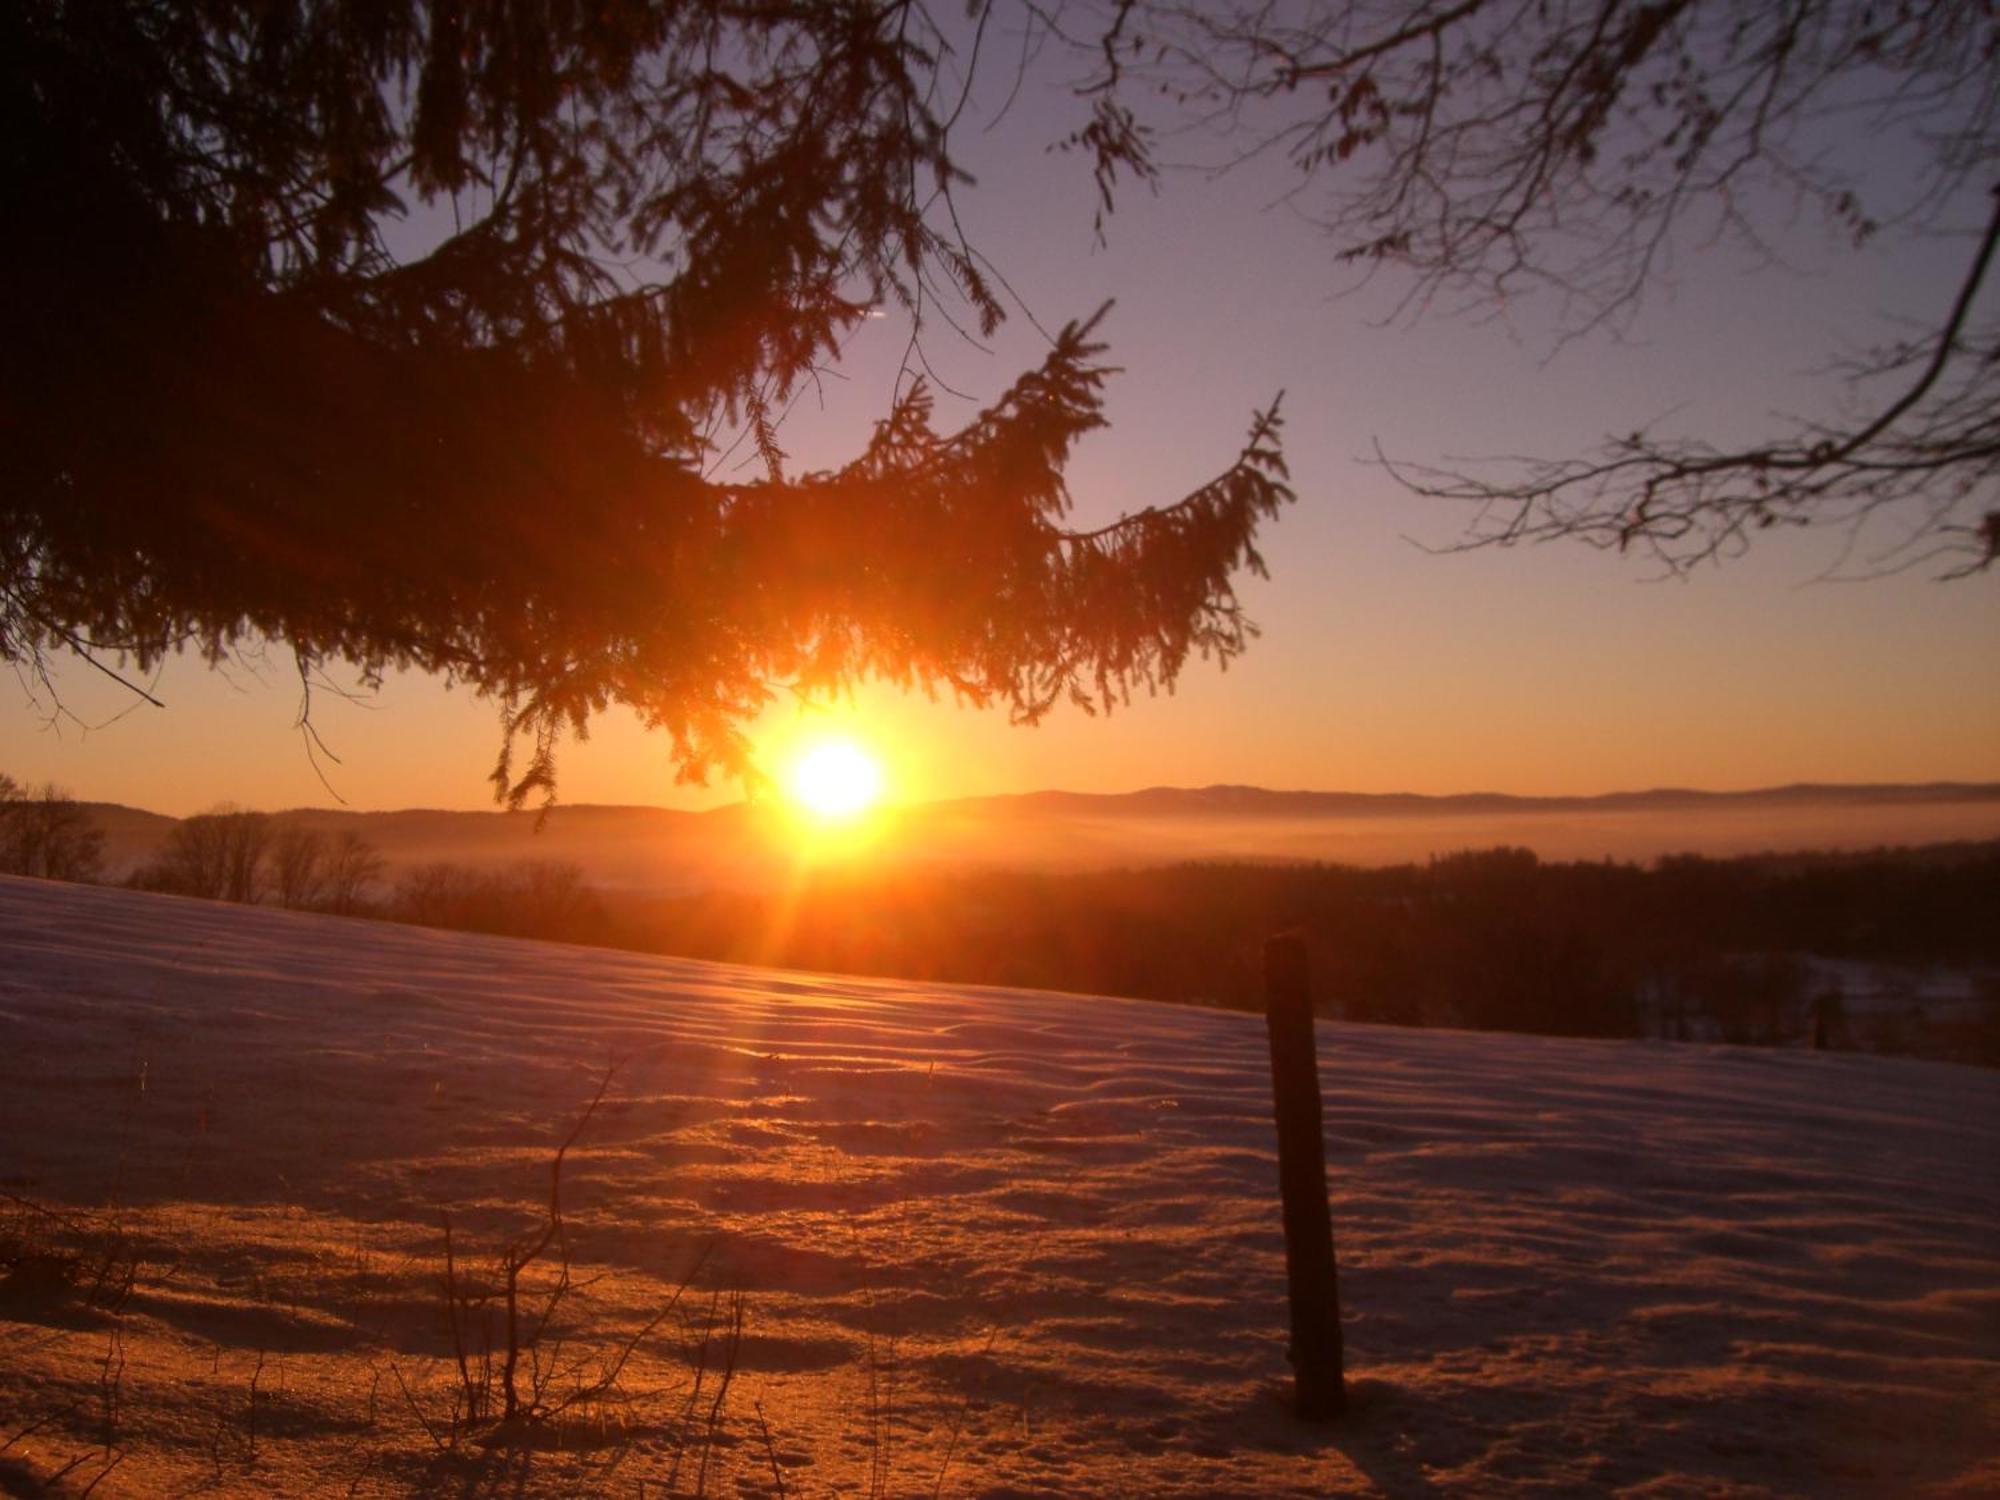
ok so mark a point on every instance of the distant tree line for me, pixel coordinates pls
(230, 855)
(534, 898)
(1494, 940)
(47, 833)
(255, 857)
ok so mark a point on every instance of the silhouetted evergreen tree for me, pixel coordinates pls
(398, 332)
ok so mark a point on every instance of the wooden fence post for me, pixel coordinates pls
(1319, 1384)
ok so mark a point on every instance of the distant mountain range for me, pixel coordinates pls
(1261, 802)
(667, 850)
(1221, 800)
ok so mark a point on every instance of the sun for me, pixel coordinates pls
(836, 780)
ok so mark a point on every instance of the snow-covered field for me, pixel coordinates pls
(988, 1243)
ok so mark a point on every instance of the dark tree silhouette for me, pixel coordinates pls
(46, 833)
(220, 856)
(351, 866)
(299, 866)
(400, 332)
(1499, 148)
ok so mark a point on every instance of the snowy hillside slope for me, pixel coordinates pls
(989, 1243)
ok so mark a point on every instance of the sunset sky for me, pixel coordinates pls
(1381, 667)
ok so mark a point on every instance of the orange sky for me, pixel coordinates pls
(1382, 667)
(1527, 672)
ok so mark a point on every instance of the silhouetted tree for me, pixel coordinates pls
(219, 856)
(299, 867)
(1568, 148)
(401, 332)
(352, 866)
(440, 894)
(46, 833)
(531, 898)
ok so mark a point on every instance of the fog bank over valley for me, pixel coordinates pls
(670, 852)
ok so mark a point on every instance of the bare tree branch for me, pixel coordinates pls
(1487, 150)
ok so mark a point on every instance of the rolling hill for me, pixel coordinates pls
(885, 1238)
(668, 851)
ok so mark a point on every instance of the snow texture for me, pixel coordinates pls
(990, 1243)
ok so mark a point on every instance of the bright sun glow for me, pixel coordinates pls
(836, 779)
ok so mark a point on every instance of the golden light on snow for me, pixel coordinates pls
(836, 780)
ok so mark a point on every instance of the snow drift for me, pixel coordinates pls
(989, 1242)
